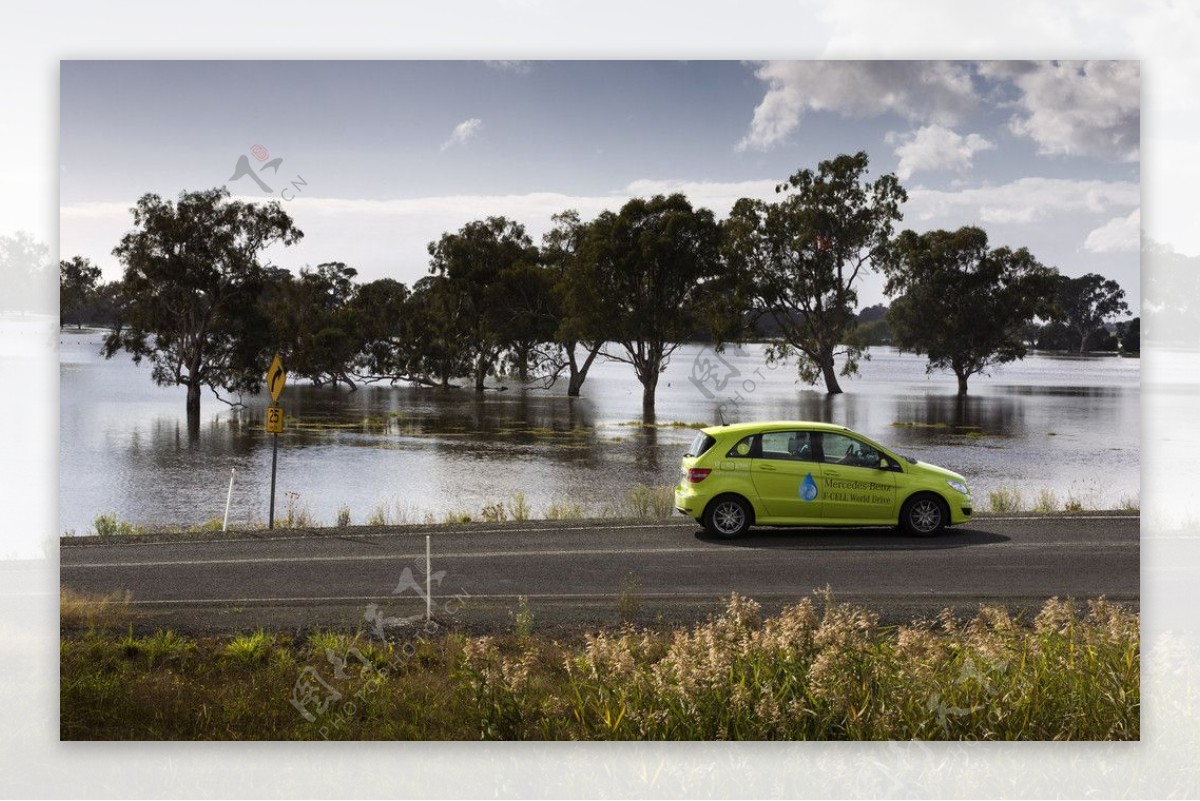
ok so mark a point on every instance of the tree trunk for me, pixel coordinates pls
(831, 382)
(962, 383)
(480, 372)
(649, 385)
(193, 409)
(579, 373)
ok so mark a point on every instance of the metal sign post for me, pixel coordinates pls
(276, 379)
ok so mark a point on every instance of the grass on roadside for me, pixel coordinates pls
(818, 670)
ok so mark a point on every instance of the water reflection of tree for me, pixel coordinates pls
(988, 414)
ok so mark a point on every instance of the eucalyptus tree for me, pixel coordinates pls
(579, 334)
(1087, 303)
(318, 327)
(471, 261)
(648, 273)
(194, 270)
(802, 256)
(963, 305)
(78, 281)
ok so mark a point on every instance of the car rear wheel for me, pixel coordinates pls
(727, 517)
(924, 515)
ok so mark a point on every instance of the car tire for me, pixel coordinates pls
(924, 515)
(728, 516)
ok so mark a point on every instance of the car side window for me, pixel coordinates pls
(744, 448)
(840, 449)
(794, 446)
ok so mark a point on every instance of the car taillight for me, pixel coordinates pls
(698, 474)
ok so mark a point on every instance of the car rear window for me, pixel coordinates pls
(700, 444)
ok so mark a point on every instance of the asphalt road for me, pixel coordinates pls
(597, 573)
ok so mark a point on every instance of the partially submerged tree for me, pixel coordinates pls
(962, 305)
(193, 269)
(579, 333)
(1087, 303)
(471, 261)
(650, 269)
(317, 327)
(802, 257)
(77, 285)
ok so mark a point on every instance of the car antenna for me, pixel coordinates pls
(721, 417)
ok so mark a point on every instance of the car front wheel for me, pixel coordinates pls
(924, 515)
(727, 517)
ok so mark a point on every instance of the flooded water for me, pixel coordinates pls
(1069, 425)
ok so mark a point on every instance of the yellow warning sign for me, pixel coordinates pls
(276, 378)
(274, 419)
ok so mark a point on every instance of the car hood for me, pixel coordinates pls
(933, 470)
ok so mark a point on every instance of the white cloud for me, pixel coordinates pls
(1120, 234)
(925, 91)
(519, 67)
(464, 132)
(935, 148)
(1026, 200)
(1077, 108)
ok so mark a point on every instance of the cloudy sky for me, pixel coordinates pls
(376, 159)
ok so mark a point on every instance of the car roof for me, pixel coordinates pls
(771, 425)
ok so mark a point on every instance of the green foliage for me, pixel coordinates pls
(520, 508)
(563, 510)
(78, 279)
(483, 259)
(802, 257)
(343, 517)
(249, 649)
(650, 275)
(833, 675)
(962, 305)
(112, 526)
(1006, 500)
(317, 324)
(1087, 303)
(651, 503)
(820, 671)
(193, 267)
(1046, 502)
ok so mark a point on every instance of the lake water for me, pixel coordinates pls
(1066, 424)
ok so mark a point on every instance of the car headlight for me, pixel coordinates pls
(958, 485)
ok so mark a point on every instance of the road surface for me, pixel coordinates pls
(596, 573)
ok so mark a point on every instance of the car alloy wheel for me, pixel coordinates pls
(728, 517)
(924, 515)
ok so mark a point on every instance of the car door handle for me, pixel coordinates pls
(767, 468)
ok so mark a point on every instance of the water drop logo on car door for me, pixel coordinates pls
(808, 488)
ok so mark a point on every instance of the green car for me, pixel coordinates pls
(812, 474)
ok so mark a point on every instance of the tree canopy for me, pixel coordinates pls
(1087, 303)
(962, 305)
(77, 285)
(802, 256)
(194, 267)
(650, 270)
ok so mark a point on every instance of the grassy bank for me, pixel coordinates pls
(642, 502)
(819, 670)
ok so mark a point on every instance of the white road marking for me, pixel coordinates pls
(747, 549)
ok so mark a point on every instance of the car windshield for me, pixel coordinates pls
(700, 444)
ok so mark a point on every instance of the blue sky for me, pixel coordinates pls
(385, 156)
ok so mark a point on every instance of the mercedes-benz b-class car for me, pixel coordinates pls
(812, 474)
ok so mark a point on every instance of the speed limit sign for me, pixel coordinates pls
(274, 419)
